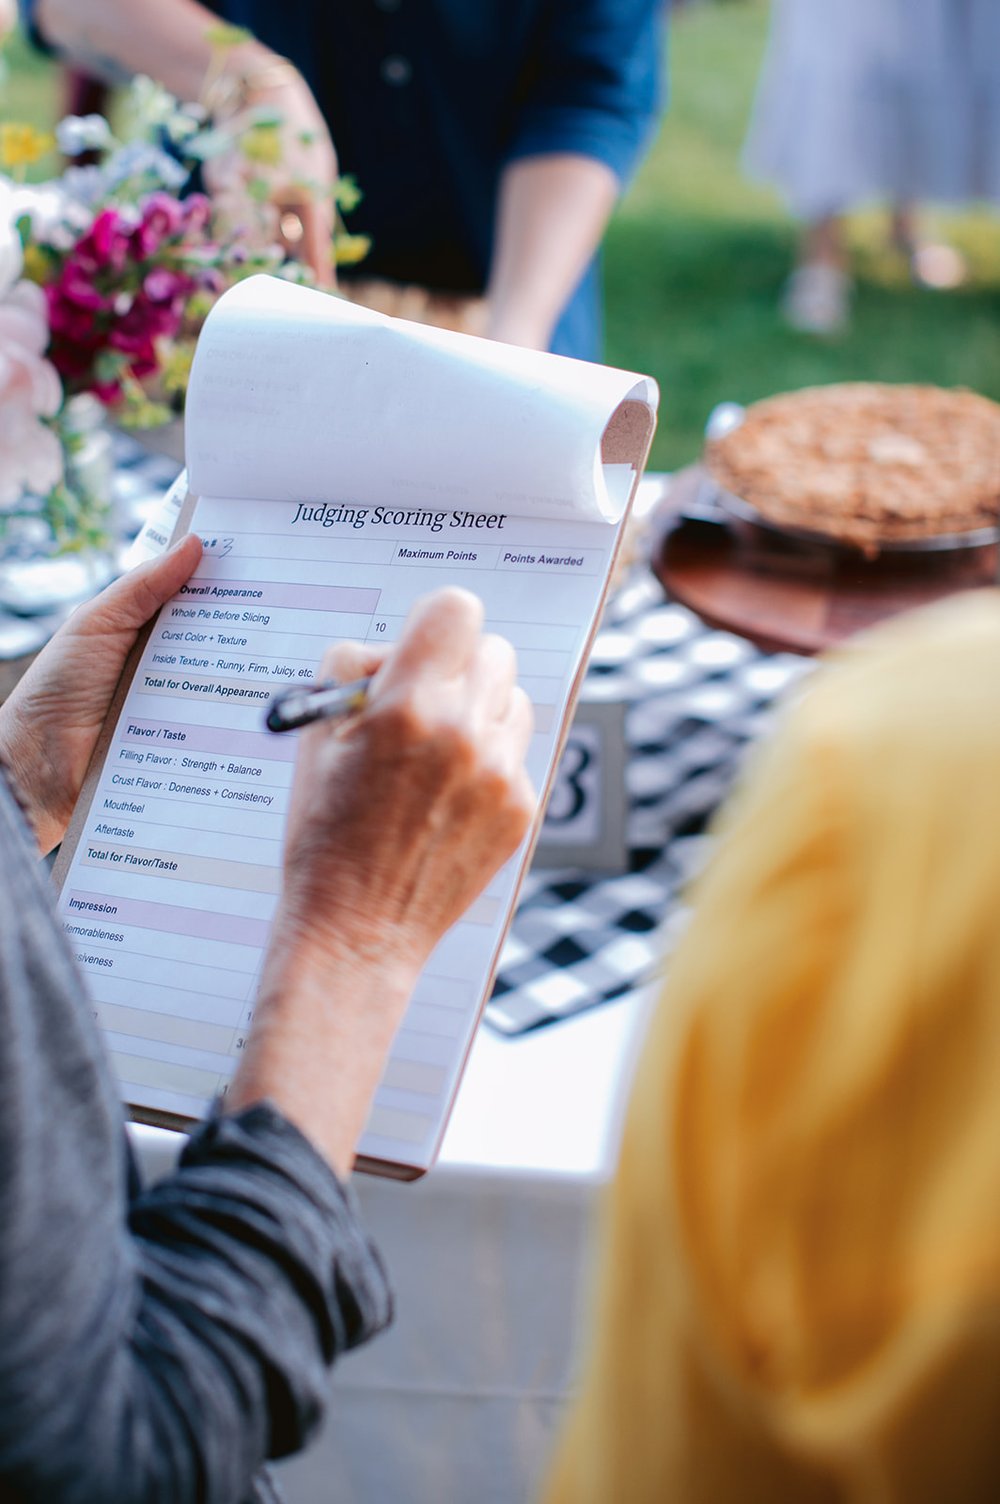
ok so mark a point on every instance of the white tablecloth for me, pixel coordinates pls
(459, 1401)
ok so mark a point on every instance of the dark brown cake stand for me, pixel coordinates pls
(788, 595)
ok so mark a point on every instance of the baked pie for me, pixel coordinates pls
(866, 464)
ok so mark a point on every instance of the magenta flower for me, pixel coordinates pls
(106, 243)
(123, 286)
(162, 285)
(197, 213)
(163, 219)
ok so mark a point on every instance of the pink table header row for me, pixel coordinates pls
(261, 744)
(175, 919)
(345, 598)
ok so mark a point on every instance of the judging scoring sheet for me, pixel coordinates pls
(173, 884)
(407, 459)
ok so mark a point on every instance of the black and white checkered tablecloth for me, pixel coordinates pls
(695, 699)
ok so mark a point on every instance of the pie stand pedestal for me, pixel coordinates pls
(788, 595)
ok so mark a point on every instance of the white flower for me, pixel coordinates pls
(85, 185)
(147, 107)
(207, 144)
(57, 217)
(138, 159)
(185, 124)
(11, 259)
(80, 133)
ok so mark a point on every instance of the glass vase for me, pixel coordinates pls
(58, 549)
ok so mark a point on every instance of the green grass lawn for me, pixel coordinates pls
(696, 256)
(29, 90)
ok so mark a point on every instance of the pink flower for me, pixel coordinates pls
(30, 456)
(164, 285)
(197, 213)
(162, 219)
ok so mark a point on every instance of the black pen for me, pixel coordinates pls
(320, 702)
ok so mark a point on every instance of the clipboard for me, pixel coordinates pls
(428, 1059)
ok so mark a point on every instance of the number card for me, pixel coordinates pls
(585, 819)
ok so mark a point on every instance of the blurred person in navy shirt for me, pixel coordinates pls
(490, 141)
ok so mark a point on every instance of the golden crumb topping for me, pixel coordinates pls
(866, 463)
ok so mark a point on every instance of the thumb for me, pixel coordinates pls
(128, 603)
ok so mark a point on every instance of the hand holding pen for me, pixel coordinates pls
(396, 822)
(438, 741)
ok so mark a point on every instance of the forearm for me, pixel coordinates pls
(321, 1005)
(398, 818)
(167, 39)
(551, 214)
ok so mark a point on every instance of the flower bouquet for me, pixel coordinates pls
(106, 274)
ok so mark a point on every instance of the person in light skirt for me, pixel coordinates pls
(860, 101)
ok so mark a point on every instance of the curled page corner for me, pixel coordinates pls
(624, 445)
(297, 393)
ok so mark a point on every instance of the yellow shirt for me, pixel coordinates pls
(800, 1292)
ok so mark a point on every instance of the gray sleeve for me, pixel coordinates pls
(159, 1346)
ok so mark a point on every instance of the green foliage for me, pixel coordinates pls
(346, 194)
(225, 37)
(78, 520)
(30, 90)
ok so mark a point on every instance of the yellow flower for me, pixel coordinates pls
(348, 250)
(176, 367)
(224, 36)
(262, 144)
(21, 145)
(36, 264)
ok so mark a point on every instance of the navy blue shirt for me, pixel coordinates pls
(427, 100)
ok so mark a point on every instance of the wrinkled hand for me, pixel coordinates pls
(50, 724)
(301, 180)
(398, 819)
(400, 816)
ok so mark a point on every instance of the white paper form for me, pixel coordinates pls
(174, 880)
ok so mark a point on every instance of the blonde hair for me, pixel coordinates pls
(800, 1297)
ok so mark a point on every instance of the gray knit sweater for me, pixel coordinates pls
(155, 1345)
